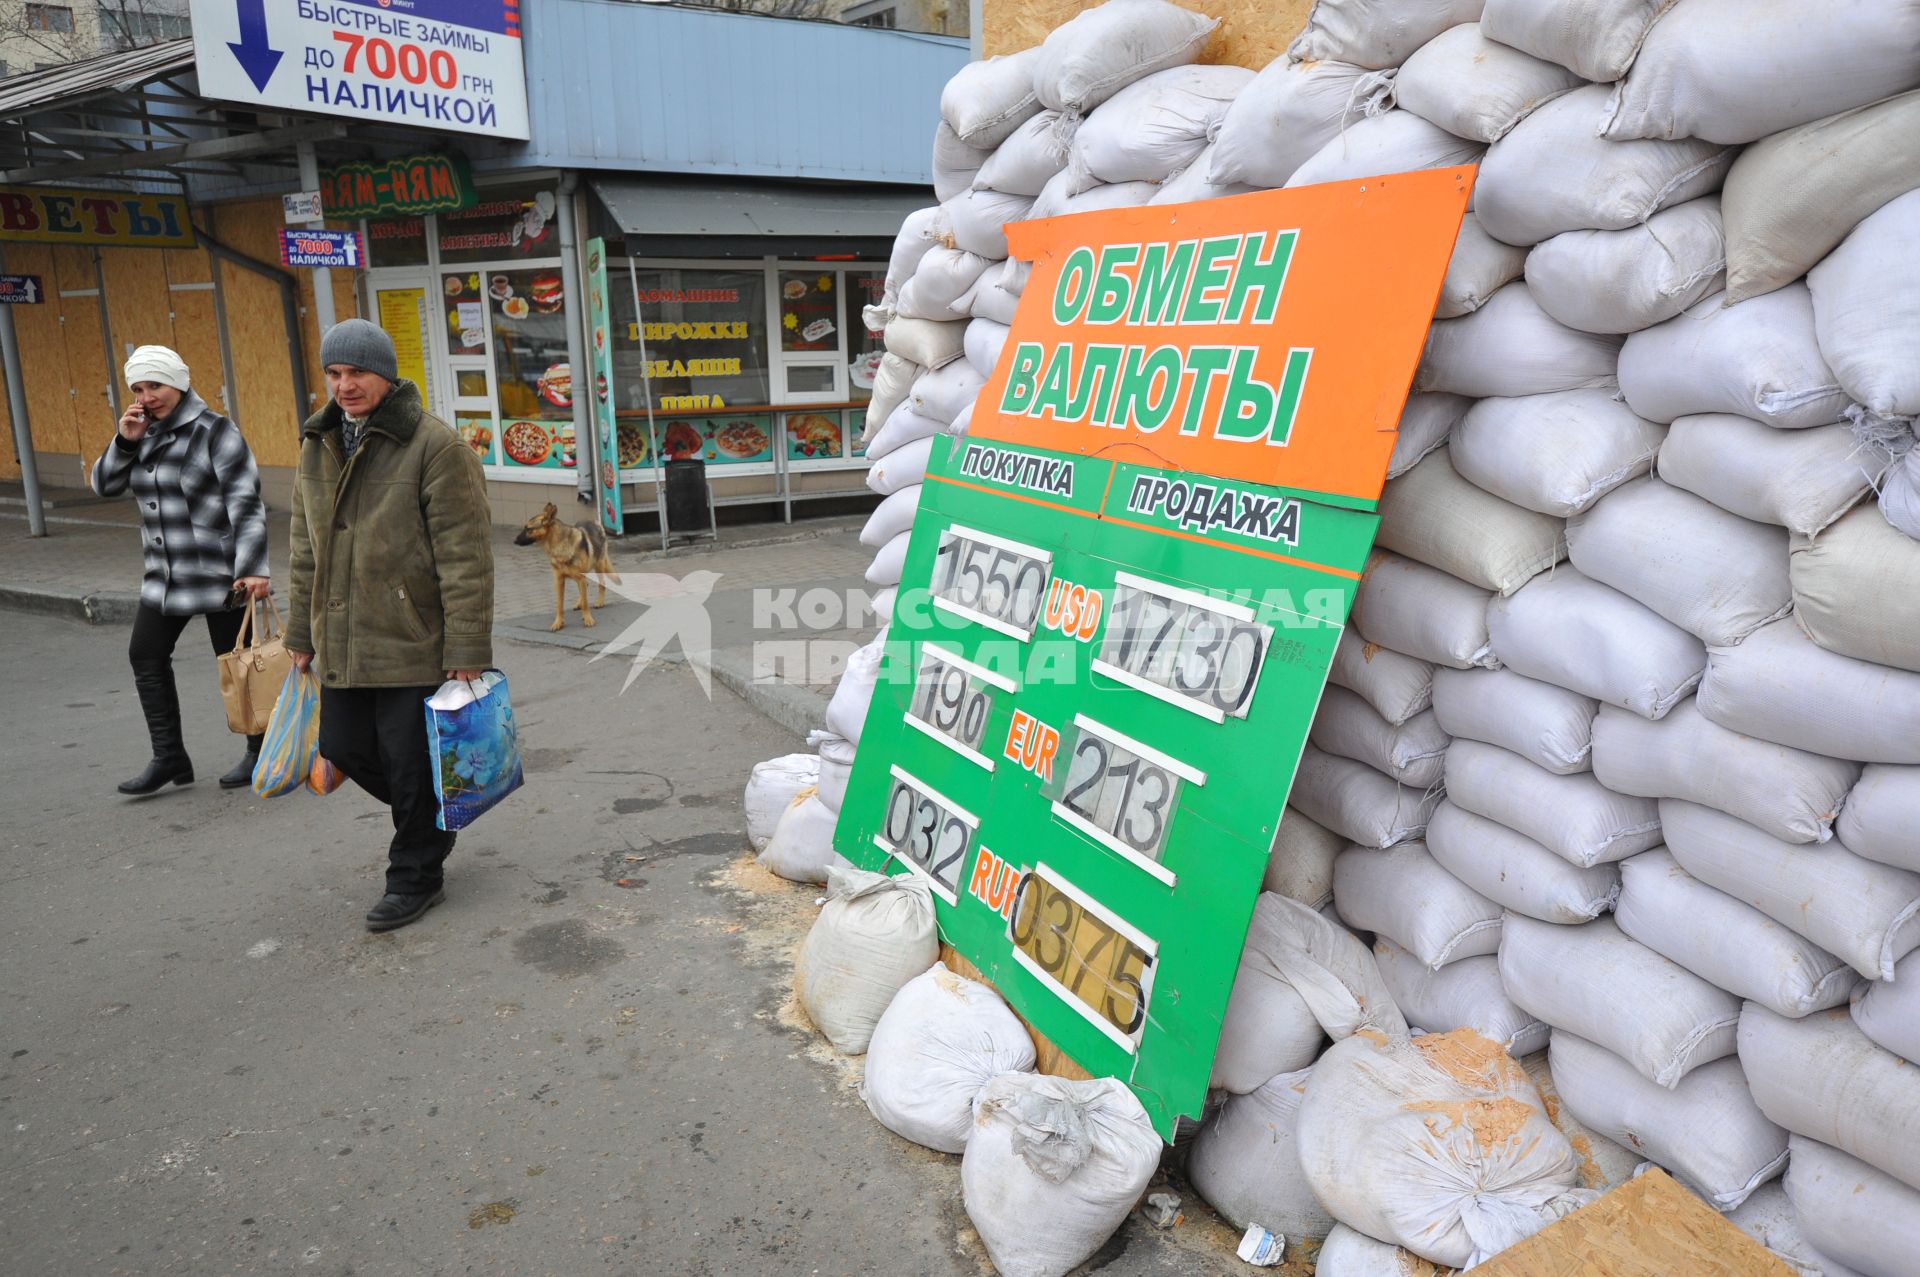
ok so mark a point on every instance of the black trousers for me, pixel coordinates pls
(155, 633)
(377, 737)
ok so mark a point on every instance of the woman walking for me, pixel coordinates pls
(203, 529)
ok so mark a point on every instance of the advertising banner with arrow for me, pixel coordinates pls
(446, 65)
(21, 290)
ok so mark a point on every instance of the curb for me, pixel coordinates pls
(89, 609)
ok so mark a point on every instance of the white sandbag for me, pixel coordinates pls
(1245, 1164)
(1391, 142)
(955, 164)
(941, 1039)
(1548, 726)
(903, 426)
(986, 101)
(836, 766)
(1402, 893)
(890, 562)
(1514, 872)
(1758, 359)
(801, 848)
(1357, 802)
(1801, 480)
(1347, 1253)
(990, 301)
(1866, 310)
(1433, 516)
(1888, 1011)
(1052, 1168)
(1862, 912)
(1716, 575)
(985, 340)
(944, 276)
(1423, 612)
(1439, 1143)
(1724, 941)
(1822, 1078)
(1623, 281)
(847, 710)
(1604, 1165)
(882, 604)
(1474, 87)
(1194, 182)
(1031, 156)
(1465, 994)
(1597, 38)
(1572, 631)
(1781, 686)
(1424, 425)
(1575, 817)
(1555, 453)
(772, 787)
(1596, 981)
(891, 382)
(926, 342)
(1779, 224)
(1101, 50)
(979, 219)
(1737, 70)
(1376, 33)
(920, 231)
(873, 934)
(1300, 863)
(1881, 820)
(1511, 347)
(1397, 686)
(1267, 1028)
(901, 468)
(962, 420)
(1853, 1213)
(1900, 495)
(892, 517)
(1707, 1131)
(941, 394)
(1768, 1217)
(1856, 590)
(1789, 793)
(1155, 127)
(1058, 201)
(1480, 267)
(1289, 111)
(1553, 173)
(1412, 752)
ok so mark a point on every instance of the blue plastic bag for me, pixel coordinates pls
(292, 741)
(476, 754)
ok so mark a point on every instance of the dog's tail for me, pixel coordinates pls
(602, 561)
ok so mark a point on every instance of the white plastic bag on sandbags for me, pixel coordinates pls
(801, 848)
(1155, 127)
(1289, 111)
(1514, 872)
(1790, 793)
(1569, 630)
(941, 1039)
(1245, 1164)
(1597, 38)
(1480, 267)
(955, 164)
(1758, 359)
(1575, 817)
(1300, 863)
(1031, 156)
(1553, 173)
(1511, 347)
(892, 517)
(1425, 424)
(1900, 495)
(1391, 142)
(979, 219)
(1716, 575)
(1707, 1130)
(772, 788)
(1881, 820)
(1801, 480)
(891, 381)
(1101, 50)
(1194, 183)
(1888, 1011)
(1821, 1077)
(1357, 802)
(1461, 995)
(940, 395)
(1556, 453)
(1779, 224)
(1851, 1212)
(1433, 516)
(1596, 981)
(926, 342)
(890, 561)
(1548, 726)
(1376, 33)
(986, 101)
(872, 935)
(1438, 1143)
(1422, 612)
(1626, 280)
(944, 276)
(836, 766)
(1724, 941)
(900, 469)
(1781, 686)
(1413, 752)
(985, 339)
(1737, 70)
(847, 711)
(1474, 87)
(1402, 893)
(903, 426)
(1856, 590)
(1866, 310)
(1397, 686)
(1862, 912)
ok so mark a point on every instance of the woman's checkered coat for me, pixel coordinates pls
(202, 523)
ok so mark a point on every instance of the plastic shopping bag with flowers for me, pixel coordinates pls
(476, 754)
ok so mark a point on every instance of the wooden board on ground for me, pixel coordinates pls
(1048, 1058)
(1252, 32)
(1648, 1227)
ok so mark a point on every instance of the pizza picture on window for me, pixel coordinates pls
(633, 444)
(526, 442)
(740, 440)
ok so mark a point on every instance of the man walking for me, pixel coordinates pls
(392, 592)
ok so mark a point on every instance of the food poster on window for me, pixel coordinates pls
(533, 381)
(856, 434)
(738, 440)
(478, 433)
(403, 317)
(505, 224)
(1103, 666)
(809, 311)
(600, 340)
(865, 346)
(815, 438)
(464, 302)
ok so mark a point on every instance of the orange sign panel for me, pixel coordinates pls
(1269, 338)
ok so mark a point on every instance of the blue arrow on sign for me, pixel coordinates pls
(255, 56)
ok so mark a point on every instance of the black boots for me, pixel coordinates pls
(241, 774)
(397, 909)
(161, 705)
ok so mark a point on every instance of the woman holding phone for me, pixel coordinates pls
(203, 530)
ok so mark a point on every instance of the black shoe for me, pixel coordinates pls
(160, 704)
(241, 774)
(397, 910)
(160, 773)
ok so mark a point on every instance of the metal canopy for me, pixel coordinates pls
(757, 210)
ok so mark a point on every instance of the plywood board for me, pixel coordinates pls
(1252, 32)
(187, 265)
(93, 417)
(262, 392)
(137, 300)
(196, 338)
(43, 354)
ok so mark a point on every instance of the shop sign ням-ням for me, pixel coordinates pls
(122, 219)
(408, 186)
(1123, 592)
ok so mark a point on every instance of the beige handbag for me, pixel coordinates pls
(251, 674)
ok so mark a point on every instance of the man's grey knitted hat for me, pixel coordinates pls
(360, 344)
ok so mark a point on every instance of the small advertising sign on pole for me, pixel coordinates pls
(301, 206)
(21, 290)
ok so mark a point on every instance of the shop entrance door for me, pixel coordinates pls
(404, 304)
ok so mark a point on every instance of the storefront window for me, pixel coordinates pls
(864, 344)
(465, 312)
(532, 378)
(508, 222)
(705, 340)
(397, 241)
(809, 311)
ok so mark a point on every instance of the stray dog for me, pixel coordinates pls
(573, 550)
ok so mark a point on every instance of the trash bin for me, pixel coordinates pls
(689, 504)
